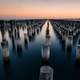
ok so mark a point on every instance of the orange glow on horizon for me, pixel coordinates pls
(27, 11)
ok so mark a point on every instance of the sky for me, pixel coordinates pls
(39, 9)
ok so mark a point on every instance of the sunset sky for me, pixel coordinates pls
(39, 9)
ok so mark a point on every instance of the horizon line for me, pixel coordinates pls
(38, 18)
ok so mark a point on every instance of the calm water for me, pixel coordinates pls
(26, 65)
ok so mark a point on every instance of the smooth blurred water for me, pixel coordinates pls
(26, 65)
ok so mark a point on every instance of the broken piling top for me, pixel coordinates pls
(46, 73)
(46, 69)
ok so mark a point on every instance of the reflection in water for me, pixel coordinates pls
(31, 34)
(7, 70)
(5, 51)
(47, 31)
(32, 40)
(9, 32)
(46, 73)
(63, 45)
(19, 47)
(68, 52)
(13, 43)
(78, 51)
(68, 44)
(26, 41)
(4, 44)
(45, 50)
(17, 33)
